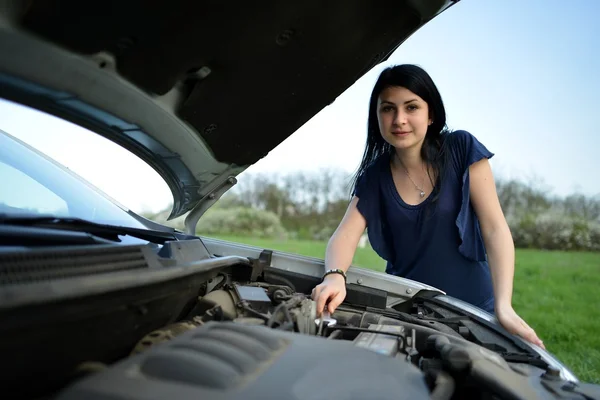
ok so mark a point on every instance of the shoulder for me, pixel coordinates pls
(459, 139)
(464, 148)
(367, 182)
(373, 172)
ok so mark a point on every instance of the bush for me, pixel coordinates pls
(241, 221)
(555, 231)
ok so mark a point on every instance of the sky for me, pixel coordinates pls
(522, 76)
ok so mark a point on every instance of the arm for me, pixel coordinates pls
(339, 254)
(494, 229)
(499, 246)
(343, 242)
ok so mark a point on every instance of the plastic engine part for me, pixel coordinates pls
(226, 360)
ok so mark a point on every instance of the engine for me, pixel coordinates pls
(264, 341)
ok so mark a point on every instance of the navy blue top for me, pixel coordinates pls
(437, 243)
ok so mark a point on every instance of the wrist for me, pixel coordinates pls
(334, 278)
(502, 304)
(334, 274)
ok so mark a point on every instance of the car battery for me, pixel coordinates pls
(379, 342)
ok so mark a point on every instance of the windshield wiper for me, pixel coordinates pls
(105, 231)
(16, 235)
(530, 359)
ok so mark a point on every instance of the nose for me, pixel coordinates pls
(400, 117)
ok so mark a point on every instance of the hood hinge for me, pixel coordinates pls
(207, 201)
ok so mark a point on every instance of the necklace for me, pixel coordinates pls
(421, 191)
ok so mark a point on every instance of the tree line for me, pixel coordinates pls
(310, 205)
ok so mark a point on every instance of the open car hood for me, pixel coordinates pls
(200, 90)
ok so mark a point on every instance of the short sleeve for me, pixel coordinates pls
(368, 191)
(467, 150)
(365, 190)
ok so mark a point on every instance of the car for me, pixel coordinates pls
(97, 302)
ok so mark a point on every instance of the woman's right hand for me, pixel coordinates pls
(330, 292)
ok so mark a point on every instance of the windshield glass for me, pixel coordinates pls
(34, 184)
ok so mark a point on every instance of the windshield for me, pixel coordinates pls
(34, 184)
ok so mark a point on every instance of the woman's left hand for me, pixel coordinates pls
(514, 324)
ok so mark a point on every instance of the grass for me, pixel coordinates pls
(555, 292)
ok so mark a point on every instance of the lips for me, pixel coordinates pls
(400, 133)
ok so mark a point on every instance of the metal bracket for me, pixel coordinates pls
(259, 264)
(194, 216)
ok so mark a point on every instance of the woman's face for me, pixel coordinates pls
(403, 117)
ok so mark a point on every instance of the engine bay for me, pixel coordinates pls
(266, 341)
(236, 328)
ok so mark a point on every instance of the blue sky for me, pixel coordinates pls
(522, 76)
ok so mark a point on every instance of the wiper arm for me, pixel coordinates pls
(109, 232)
(16, 235)
(531, 359)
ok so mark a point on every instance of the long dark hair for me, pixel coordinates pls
(419, 82)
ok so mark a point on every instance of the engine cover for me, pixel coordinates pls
(226, 360)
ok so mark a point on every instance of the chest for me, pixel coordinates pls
(413, 190)
(404, 207)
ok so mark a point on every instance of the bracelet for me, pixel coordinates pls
(335, 271)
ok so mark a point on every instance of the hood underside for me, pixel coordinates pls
(198, 89)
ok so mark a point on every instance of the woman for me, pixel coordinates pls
(428, 200)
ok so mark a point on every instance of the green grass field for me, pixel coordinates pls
(555, 292)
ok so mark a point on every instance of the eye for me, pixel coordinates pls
(412, 107)
(387, 109)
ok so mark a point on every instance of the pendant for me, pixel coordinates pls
(422, 193)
